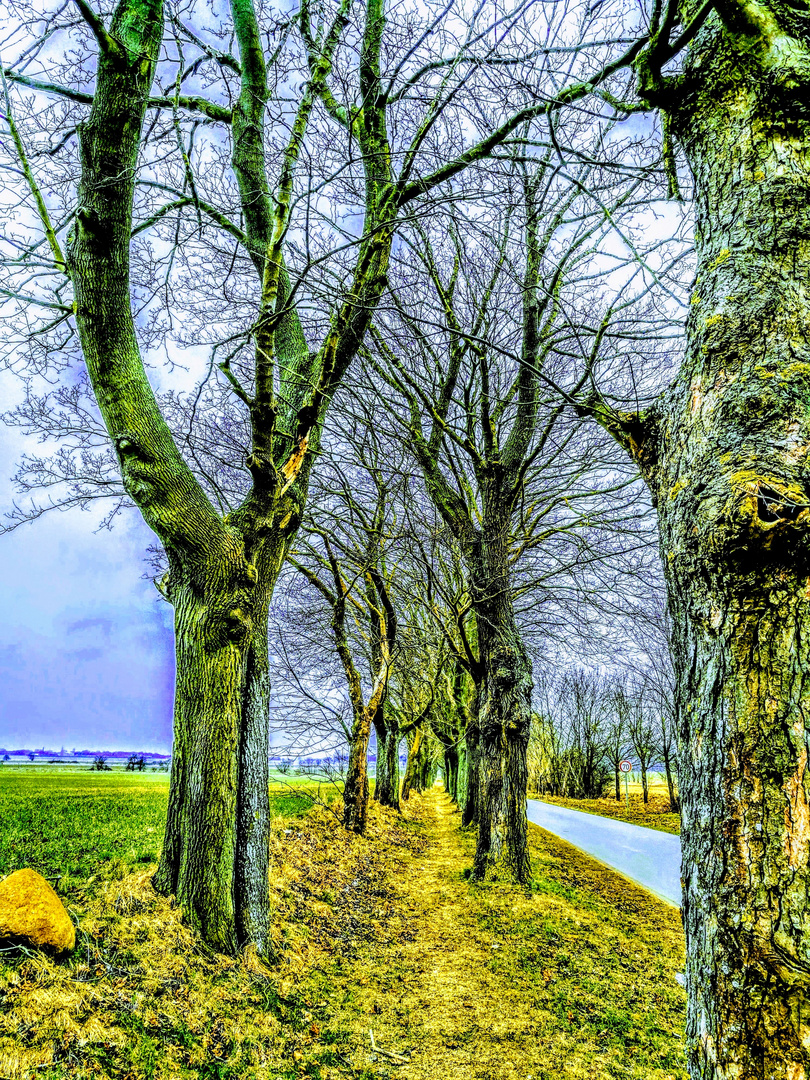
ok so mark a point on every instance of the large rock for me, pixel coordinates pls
(32, 914)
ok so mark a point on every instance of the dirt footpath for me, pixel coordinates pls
(498, 983)
(462, 1022)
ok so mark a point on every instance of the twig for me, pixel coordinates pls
(387, 1053)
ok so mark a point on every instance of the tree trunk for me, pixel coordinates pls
(355, 790)
(472, 789)
(617, 777)
(645, 790)
(411, 778)
(674, 805)
(215, 856)
(451, 767)
(426, 772)
(392, 766)
(504, 721)
(386, 786)
(461, 779)
(724, 451)
(252, 877)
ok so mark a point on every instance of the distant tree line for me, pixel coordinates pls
(590, 724)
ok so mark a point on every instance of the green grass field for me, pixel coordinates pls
(73, 824)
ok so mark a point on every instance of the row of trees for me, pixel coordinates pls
(590, 724)
(444, 226)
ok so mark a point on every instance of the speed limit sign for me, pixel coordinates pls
(625, 767)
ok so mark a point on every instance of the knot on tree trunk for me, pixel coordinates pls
(139, 470)
(747, 517)
(773, 960)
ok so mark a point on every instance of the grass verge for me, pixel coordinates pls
(656, 814)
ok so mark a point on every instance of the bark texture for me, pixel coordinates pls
(472, 782)
(386, 785)
(725, 453)
(504, 719)
(208, 861)
(221, 571)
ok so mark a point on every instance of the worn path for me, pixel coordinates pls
(576, 978)
(466, 1023)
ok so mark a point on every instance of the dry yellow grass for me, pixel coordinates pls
(575, 977)
(141, 999)
(380, 933)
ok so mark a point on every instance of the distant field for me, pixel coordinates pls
(71, 824)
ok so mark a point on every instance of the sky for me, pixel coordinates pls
(86, 652)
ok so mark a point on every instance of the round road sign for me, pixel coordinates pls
(625, 765)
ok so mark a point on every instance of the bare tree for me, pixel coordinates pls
(652, 666)
(346, 557)
(184, 178)
(483, 415)
(617, 729)
(643, 737)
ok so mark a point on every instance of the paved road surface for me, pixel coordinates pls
(649, 857)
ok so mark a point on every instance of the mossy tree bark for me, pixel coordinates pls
(221, 573)
(504, 719)
(725, 454)
(472, 785)
(386, 785)
(419, 767)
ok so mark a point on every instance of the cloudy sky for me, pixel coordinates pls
(86, 655)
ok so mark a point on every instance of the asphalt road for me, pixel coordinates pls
(647, 856)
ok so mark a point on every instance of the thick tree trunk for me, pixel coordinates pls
(411, 778)
(355, 790)
(451, 772)
(504, 721)
(386, 786)
(617, 778)
(472, 786)
(645, 788)
(215, 851)
(252, 876)
(392, 766)
(215, 857)
(725, 454)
